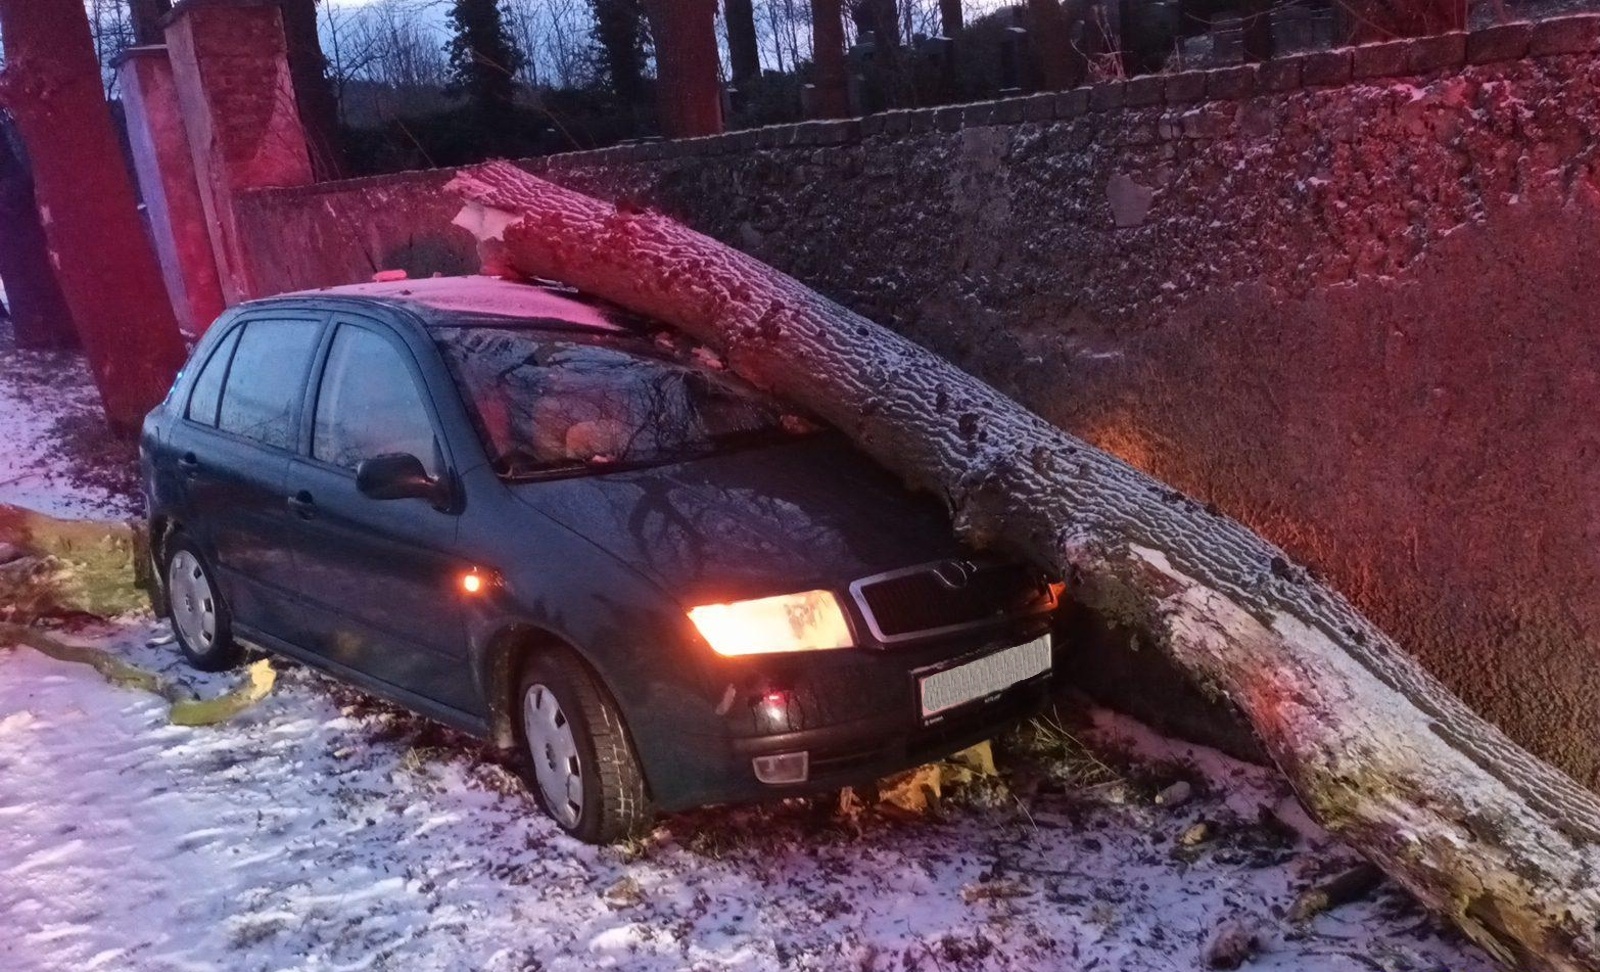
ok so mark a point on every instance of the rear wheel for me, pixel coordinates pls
(200, 619)
(579, 760)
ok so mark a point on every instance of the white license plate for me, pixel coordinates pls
(983, 676)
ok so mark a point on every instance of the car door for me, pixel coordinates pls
(232, 449)
(378, 577)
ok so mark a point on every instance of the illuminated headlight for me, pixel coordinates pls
(812, 621)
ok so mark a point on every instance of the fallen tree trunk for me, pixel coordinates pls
(1379, 752)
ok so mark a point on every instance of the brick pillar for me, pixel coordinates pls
(165, 167)
(231, 69)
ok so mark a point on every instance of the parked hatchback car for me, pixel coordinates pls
(559, 527)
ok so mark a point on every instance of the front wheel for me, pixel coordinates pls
(200, 619)
(579, 760)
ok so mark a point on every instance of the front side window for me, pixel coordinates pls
(267, 380)
(369, 405)
(546, 402)
(208, 384)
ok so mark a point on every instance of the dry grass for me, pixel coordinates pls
(1064, 756)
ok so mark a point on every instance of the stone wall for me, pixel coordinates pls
(1349, 297)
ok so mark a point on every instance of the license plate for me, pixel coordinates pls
(983, 676)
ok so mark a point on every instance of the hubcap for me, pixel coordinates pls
(556, 766)
(194, 610)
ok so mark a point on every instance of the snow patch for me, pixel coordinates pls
(321, 830)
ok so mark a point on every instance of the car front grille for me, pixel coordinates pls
(948, 596)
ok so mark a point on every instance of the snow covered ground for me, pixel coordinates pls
(323, 830)
(55, 456)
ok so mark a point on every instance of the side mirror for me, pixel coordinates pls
(398, 475)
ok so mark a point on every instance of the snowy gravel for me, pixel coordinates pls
(323, 830)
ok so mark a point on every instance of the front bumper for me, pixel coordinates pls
(857, 718)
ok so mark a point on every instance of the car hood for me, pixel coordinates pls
(798, 515)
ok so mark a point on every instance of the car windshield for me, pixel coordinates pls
(552, 401)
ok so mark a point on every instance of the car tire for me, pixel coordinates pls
(201, 622)
(576, 754)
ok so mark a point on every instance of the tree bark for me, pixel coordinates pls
(1060, 65)
(744, 54)
(687, 60)
(149, 17)
(313, 94)
(1379, 752)
(827, 44)
(951, 19)
(39, 315)
(104, 259)
(1257, 40)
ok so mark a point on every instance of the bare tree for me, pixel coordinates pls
(398, 50)
(554, 37)
(112, 28)
(346, 47)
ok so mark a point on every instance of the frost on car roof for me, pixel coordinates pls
(490, 297)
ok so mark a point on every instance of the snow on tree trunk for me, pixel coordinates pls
(39, 312)
(1380, 753)
(103, 258)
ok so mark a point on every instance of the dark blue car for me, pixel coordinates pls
(569, 531)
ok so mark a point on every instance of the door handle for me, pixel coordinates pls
(302, 505)
(189, 463)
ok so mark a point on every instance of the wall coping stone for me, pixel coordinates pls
(1186, 87)
(1279, 74)
(1441, 52)
(1574, 34)
(1382, 60)
(1107, 95)
(1577, 34)
(1231, 83)
(1502, 42)
(1149, 89)
(1073, 103)
(1325, 68)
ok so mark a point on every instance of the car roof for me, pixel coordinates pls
(448, 301)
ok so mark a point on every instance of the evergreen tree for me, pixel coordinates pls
(483, 59)
(623, 39)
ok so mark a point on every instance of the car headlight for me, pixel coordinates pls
(812, 621)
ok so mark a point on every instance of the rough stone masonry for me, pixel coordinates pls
(1349, 297)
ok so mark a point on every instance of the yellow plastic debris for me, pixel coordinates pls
(185, 711)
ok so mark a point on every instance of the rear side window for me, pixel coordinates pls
(208, 384)
(369, 405)
(266, 381)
